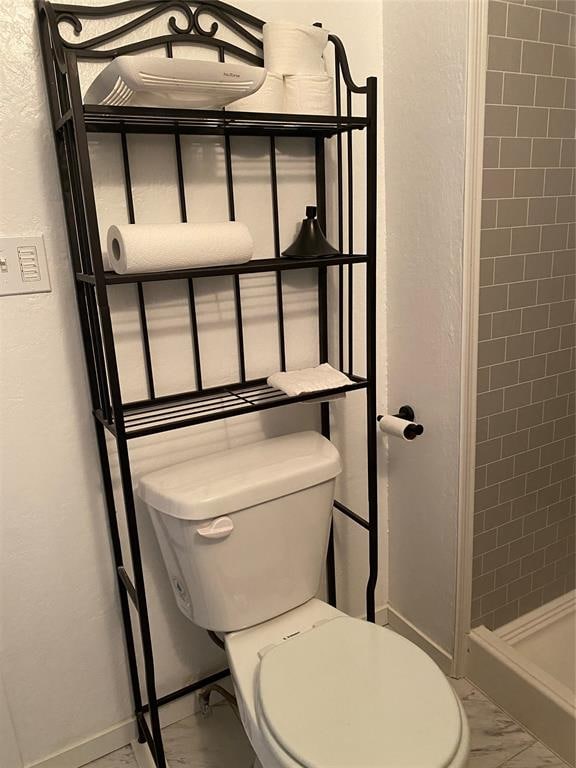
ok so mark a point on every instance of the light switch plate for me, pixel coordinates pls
(23, 266)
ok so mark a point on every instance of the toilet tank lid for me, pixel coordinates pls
(226, 482)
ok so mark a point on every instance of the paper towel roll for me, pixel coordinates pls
(292, 49)
(159, 247)
(309, 94)
(268, 98)
(392, 425)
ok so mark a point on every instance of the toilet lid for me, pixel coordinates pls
(351, 694)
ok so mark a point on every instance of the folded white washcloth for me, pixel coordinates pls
(316, 379)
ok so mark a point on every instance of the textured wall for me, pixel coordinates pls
(525, 515)
(424, 118)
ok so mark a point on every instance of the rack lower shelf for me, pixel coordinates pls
(184, 410)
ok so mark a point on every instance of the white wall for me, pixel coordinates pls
(61, 647)
(424, 113)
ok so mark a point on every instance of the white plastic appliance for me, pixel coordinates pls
(150, 81)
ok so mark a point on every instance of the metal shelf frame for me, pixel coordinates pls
(197, 23)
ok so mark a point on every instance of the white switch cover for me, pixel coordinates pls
(23, 266)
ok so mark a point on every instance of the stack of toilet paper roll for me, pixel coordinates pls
(297, 81)
(161, 247)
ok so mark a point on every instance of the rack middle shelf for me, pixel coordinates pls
(252, 266)
(163, 414)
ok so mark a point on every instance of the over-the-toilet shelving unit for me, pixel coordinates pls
(72, 122)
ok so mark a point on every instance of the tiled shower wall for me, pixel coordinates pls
(525, 514)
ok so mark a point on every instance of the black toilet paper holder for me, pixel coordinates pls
(412, 430)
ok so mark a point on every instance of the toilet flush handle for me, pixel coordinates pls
(219, 528)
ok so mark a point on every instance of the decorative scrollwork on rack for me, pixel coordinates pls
(192, 31)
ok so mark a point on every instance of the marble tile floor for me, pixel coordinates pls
(219, 741)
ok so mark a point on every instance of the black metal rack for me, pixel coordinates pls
(72, 122)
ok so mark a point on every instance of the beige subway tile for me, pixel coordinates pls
(532, 121)
(489, 209)
(558, 181)
(499, 183)
(565, 383)
(542, 210)
(523, 506)
(515, 153)
(486, 272)
(506, 323)
(568, 153)
(515, 442)
(541, 435)
(550, 495)
(537, 479)
(490, 403)
(482, 585)
(484, 542)
(536, 58)
(535, 318)
(572, 38)
(568, 337)
(517, 396)
(497, 598)
(485, 327)
(529, 182)
(562, 123)
(535, 522)
(556, 408)
(494, 242)
(521, 547)
(509, 490)
(546, 153)
(518, 89)
(527, 462)
(532, 368)
(564, 428)
(571, 236)
(550, 289)
(525, 239)
(481, 430)
(537, 265)
(493, 298)
(558, 362)
(519, 588)
(533, 562)
(520, 346)
(522, 294)
(491, 352)
(504, 374)
(505, 575)
(495, 558)
(544, 537)
(530, 416)
(500, 120)
(551, 453)
(530, 602)
(554, 237)
(570, 288)
(506, 613)
(494, 87)
(562, 470)
(569, 94)
(497, 18)
(566, 6)
(523, 22)
(543, 389)
(547, 340)
(489, 451)
(554, 28)
(566, 211)
(491, 152)
(508, 269)
(556, 551)
(564, 61)
(550, 91)
(543, 576)
(561, 313)
(547, 4)
(564, 263)
(504, 54)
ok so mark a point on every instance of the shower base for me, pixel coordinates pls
(528, 667)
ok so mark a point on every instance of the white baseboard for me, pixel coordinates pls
(526, 692)
(400, 624)
(117, 737)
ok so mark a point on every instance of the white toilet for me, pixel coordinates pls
(244, 534)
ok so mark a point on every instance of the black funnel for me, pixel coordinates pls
(311, 241)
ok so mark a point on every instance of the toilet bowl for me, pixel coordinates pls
(319, 689)
(244, 534)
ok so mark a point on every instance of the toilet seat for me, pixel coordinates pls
(349, 693)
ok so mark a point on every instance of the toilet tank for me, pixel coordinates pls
(244, 533)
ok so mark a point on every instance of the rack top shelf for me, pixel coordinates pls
(250, 267)
(215, 122)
